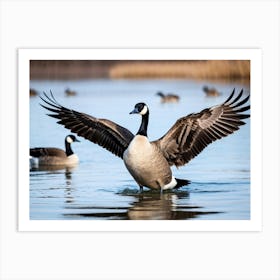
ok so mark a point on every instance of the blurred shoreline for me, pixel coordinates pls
(230, 70)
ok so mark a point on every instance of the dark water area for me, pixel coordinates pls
(100, 187)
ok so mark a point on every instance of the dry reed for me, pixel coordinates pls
(115, 69)
(208, 69)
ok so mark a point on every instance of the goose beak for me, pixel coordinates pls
(76, 140)
(135, 111)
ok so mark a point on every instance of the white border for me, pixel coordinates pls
(254, 55)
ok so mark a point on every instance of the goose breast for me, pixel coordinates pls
(146, 163)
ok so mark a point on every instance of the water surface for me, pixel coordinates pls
(100, 187)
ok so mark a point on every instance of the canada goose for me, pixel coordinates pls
(53, 156)
(33, 92)
(211, 91)
(149, 162)
(168, 98)
(69, 92)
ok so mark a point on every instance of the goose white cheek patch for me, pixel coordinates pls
(144, 110)
(69, 139)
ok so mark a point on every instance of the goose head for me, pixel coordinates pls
(71, 138)
(160, 94)
(140, 108)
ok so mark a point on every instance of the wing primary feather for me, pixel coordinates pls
(105, 133)
(229, 98)
(50, 100)
(50, 109)
(241, 102)
(214, 134)
(236, 98)
(225, 130)
(51, 104)
(54, 99)
(221, 131)
(243, 116)
(53, 116)
(243, 109)
(229, 125)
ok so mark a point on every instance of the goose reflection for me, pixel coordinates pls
(155, 206)
(165, 206)
(57, 169)
(69, 198)
(148, 205)
(51, 168)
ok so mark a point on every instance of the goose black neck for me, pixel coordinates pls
(68, 149)
(144, 125)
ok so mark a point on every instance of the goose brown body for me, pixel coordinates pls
(146, 163)
(168, 98)
(53, 156)
(211, 92)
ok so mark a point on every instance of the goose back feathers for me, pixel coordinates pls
(149, 162)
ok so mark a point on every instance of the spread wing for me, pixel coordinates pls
(191, 134)
(105, 133)
(41, 152)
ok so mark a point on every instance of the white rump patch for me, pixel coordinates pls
(144, 110)
(170, 185)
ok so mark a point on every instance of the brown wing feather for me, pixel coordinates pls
(105, 133)
(191, 134)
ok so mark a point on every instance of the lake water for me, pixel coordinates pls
(100, 187)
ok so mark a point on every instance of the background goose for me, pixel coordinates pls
(33, 92)
(168, 98)
(149, 162)
(54, 156)
(212, 92)
(69, 92)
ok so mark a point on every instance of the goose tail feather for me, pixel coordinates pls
(181, 182)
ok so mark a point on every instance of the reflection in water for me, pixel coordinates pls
(69, 198)
(51, 169)
(96, 189)
(148, 205)
(154, 206)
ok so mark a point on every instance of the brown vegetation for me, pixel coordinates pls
(116, 69)
(208, 69)
(69, 69)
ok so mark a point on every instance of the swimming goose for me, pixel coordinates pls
(53, 156)
(149, 162)
(33, 92)
(211, 92)
(168, 98)
(69, 92)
